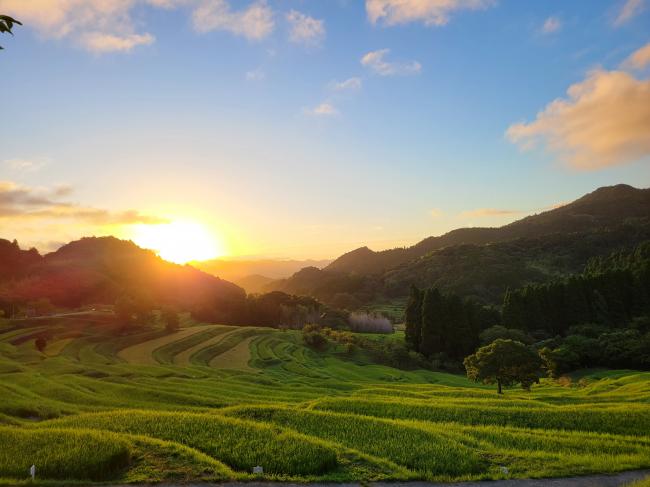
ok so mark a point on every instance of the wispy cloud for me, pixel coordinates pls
(375, 60)
(350, 84)
(255, 75)
(436, 212)
(99, 43)
(604, 121)
(22, 203)
(325, 109)
(489, 212)
(254, 22)
(25, 165)
(629, 10)
(430, 12)
(551, 25)
(639, 59)
(305, 30)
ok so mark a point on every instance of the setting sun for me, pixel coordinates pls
(179, 241)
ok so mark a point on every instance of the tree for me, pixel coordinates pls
(170, 317)
(504, 362)
(6, 24)
(40, 343)
(413, 319)
(495, 332)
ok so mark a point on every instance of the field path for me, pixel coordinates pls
(56, 347)
(235, 358)
(142, 353)
(615, 480)
(183, 358)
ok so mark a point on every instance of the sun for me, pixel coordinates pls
(179, 241)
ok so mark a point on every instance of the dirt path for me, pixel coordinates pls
(615, 480)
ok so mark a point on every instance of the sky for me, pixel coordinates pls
(307, 128)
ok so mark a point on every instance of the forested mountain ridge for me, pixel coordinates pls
(603, 207)
(484, 262)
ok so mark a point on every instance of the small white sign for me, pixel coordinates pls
(32, 471)
(258, 469)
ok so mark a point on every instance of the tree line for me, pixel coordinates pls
(600, 317)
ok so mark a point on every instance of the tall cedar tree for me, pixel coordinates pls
(413, 319)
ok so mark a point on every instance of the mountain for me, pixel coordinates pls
(253, 283)
(602, 208)
(483, 262)
(98, 270)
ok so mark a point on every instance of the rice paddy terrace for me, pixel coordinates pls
(209, 402)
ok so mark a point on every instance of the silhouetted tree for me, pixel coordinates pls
(40, 344)
(413, 319)
(504, 362)
(170, 317)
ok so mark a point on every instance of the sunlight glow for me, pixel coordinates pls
(179, 241)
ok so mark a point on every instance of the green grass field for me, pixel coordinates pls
(210, 402)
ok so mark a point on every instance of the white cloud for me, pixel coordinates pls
(254, 22)
(325, 109)
(375, 61)
(95, 25)
(552, 24)
(25, 165)
(605, 121)
(431, 12)
(99, 43)
(436, 212)
(255, 75)
(350, 84)
(630, 9)
(108, 25)
(639, 59)
(305, 29)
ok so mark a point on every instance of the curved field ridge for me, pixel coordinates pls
(239, 444)
(142, 353)
(626, 420)
(235, 358)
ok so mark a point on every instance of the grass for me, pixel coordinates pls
(210, 402)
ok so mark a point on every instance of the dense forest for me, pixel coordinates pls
(600, 317)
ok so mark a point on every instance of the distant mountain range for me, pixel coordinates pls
(484, 262)
(98, 270)
(253, 275)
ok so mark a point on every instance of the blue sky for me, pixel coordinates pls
(305, 128)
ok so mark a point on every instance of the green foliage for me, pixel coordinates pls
(7, 24)
(504, 362)
(170, 317)
(501, 332)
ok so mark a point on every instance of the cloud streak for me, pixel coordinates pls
(376, 61)
(630, 9)
(488, 212)
(22, 203)
(551, 25)
(429, 12)
(254, 22)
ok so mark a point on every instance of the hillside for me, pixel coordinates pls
(483, 262)
(208, 402)
(600, 209)
(98, 270)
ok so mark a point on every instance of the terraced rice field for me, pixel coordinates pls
(210, 402)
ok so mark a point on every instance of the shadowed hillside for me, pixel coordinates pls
(602, 208)
(98, 270)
